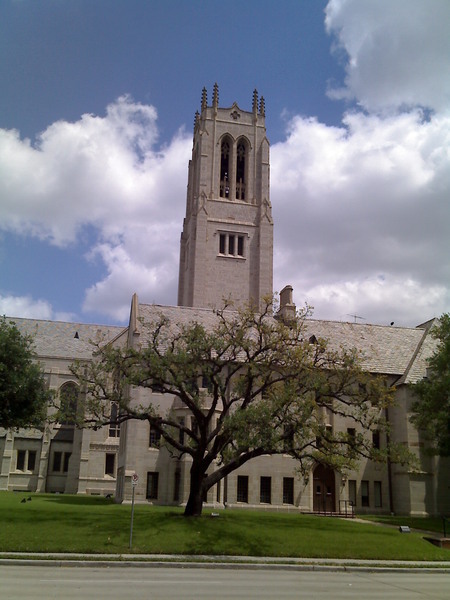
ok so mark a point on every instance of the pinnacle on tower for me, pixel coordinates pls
(216, 95)
(204, 98)
(196, 118)
(262, 107)
(255, 101)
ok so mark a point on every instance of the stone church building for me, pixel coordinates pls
(226, 251)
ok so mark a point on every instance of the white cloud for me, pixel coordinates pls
(108, 173)
(103, 171)
(361, 211)
(396, 52)
(25, 307)
(360, 201)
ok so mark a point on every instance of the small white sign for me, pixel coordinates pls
(134, 479)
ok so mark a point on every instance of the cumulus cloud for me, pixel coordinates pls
(108, 173)
(27, 307)
(105, 171)
(361, 210)
(395, 53)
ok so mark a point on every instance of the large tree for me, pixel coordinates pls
(23, 392)
(431, 410)
(252, 384)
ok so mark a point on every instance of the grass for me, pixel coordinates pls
(433, 524)
(90, 524)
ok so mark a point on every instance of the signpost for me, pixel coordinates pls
(134, 482)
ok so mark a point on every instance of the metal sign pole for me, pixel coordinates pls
(134, 481)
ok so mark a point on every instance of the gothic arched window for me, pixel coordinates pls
(225, 150)
(68, 403)
(240, 170)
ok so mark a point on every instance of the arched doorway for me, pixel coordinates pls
(324, 489)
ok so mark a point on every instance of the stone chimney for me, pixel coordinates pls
(287, 307)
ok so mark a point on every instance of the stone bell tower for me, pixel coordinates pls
(227, 240)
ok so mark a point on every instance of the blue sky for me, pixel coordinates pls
(96, 113)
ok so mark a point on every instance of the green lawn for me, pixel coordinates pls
(54, 523)
(424, 524)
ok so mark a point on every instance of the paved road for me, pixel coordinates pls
(70, 583)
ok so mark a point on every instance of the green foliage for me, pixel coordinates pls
(23, 393)
(431, 411)
(250, 385)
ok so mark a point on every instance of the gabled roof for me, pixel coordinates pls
(397, 351)
(388, 350)
(58, 339)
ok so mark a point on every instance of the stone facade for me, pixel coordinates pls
(227, 241)
(226, 251)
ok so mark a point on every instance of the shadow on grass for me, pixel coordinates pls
(79, 500)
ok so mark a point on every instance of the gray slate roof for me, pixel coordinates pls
(398, 351)
(56, 339)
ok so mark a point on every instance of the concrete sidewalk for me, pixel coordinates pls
(211, 562)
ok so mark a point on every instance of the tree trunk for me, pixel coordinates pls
(195, 501)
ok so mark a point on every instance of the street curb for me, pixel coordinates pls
(224, 565)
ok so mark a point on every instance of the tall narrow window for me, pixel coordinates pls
(31, 460)
(376, 439)
(225, 169)
(110, 460)
(242, 488)
(66, 458)
(68, 396)
(57, 458)
(364, 493)
(231, 239)
(377, 494)
(288, 490)
(222, 243)
(240, 171)
(265, 490)
(20, 464)
(240, 245)
(114, 426)
(152, 485)
(154, 438)
(352, 491)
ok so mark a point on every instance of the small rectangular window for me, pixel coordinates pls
(288, 490)
(154, 440)
(352, 491)
(20, 464)
(364, 493)
(110, 460)
(114, 426)
(222, 242)
(57, 458)
(31, 460)
(152, 485)
(377, 497)
(240, 248)
(242, 488)
(265, 490)
(231, 249)
(67, 456)
(376, 439)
